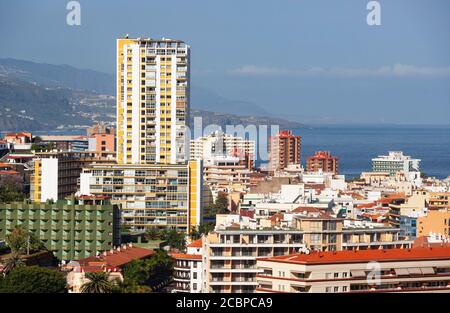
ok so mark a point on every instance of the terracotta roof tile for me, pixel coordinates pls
(359, 256)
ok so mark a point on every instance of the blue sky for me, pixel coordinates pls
(311, 60)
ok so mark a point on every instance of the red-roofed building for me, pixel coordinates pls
(322, 161)
(109, 261)
(188, 268)
(393, 270)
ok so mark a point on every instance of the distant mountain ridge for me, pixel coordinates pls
(39, 96)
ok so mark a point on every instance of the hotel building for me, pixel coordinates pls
(363, 271)
(73, 228)
(152, 101)
(395, 162)
(150, 195)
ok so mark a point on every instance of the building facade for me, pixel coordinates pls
(152, 100)
(284, 149)
(399, 270)
(151, 195)
(395, 162)
(188, 268)
(55, 175)
(323, 161)
(219, 144)
(437, 222)
(71, 229)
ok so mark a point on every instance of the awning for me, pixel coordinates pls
(414, 271)
(401, 271)
(357, 273)
(427, 270)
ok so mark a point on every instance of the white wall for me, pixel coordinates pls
(49, 179)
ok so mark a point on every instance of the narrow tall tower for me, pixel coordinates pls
(152, 101)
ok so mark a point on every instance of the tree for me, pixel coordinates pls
(160, 269)
(152, 233)
(147, 275)
(174, 239)
(221, 204)
(21, 241)
(12, 262)
(33, 279)
(203, 229)
(11, 187)
(206, 228)
(98, 283)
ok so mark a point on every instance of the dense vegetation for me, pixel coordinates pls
(33, 279)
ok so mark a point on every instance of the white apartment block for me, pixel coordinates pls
(395, 162)
(219, 144)
(188, 269)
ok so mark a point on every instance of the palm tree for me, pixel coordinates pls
(98, 283)
(14, 261)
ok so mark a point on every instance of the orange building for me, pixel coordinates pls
(284, 149)
(323, 160)
(434, 222)
(102, 142)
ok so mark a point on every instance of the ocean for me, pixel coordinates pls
(355, 146)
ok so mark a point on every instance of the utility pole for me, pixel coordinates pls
(28, 244)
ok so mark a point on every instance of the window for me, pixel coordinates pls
(195, 275)
(336, 289)
(336, 275)
(344, 288)
(344, 274)
(328, 289)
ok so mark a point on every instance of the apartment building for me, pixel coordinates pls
(363, 271)
(150, 195)
(395, 162)
(219, 144)
(284, 150)
(188, 269)
(322, 161)
(102, 142)
(437, 222)
(55, 175)
(439, 201)
(152, 100)
(229, 256)
(73, 228)
(222, 171)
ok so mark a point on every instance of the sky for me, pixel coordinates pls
(313, 60)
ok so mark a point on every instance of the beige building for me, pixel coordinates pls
(395, 270)
(439, 201)
(150, 195)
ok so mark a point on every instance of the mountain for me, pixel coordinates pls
(38, 96)
(59, 76)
